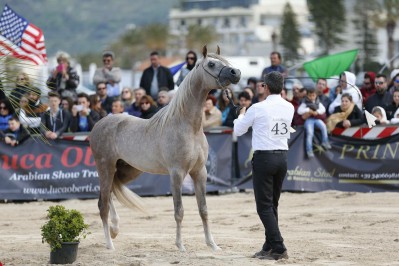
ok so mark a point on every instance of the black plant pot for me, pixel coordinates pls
(66, 254)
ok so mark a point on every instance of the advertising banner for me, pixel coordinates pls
(66, 169)
(351, 165)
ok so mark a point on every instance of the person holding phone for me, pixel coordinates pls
(64, 79)
(83, 119)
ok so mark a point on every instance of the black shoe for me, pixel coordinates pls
(275, 256)
(261, 253)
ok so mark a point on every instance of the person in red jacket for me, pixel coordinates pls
(368, 87)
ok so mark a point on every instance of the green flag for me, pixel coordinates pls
(330, 65)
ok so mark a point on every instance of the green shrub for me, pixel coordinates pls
(63, 226)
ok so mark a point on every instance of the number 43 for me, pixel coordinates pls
(280, 129)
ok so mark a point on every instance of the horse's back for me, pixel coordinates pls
(106, 129)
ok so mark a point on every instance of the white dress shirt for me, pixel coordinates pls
(270, 121)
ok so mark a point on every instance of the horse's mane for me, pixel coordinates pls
(175, 109)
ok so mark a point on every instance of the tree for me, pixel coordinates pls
(329, 20)
(386, 16)
(365, 32)
(290, 35)
(198, 35)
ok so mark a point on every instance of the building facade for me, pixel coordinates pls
(244, 27)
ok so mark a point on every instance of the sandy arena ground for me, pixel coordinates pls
(327, 228)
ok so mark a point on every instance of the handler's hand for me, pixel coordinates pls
(243, 110)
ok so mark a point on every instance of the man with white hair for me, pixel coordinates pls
(163, 99)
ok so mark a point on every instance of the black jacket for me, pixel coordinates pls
(383, 100)
(61, 123)
(53, 83)
(149, 113)
(165, 79)
(356, 117)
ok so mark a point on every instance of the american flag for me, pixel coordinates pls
(20, 38)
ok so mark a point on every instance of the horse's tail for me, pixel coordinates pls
(126, 196)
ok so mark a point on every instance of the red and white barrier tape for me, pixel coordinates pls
(367, 133)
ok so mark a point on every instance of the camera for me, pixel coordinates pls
(79, 108)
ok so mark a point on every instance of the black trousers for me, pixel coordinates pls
(269, 170)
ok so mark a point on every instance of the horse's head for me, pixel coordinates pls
(218, 67)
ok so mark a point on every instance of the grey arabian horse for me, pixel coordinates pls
(172, 142)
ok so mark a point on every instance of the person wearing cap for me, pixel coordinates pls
(314, 113)
(64, 79)
(109, 74)
(270, 121)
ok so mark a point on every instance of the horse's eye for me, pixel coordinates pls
(211, 64)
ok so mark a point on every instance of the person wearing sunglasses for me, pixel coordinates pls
(191, 60)
(368, 87)
(127, 97)
(106, 101)
(22, 85)
(260, 92)
(148, 107)
(381, 97)
(5, 113)
(109, 74)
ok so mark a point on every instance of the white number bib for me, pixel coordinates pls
(279, 128)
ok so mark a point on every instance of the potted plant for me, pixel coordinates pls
(62, 232)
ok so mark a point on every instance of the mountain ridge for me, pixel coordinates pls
(88, 26)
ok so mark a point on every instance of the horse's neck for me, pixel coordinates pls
(195, 101)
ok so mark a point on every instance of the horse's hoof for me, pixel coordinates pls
(214, 247)
(111, 247)
(114, 232)
(181, 247)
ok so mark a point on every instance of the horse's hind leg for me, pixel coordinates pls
(114, 228)
(199, 179)
(125, 173)
(106, 176)
(177, 182)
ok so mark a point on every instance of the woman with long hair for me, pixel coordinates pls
(127, 97)
(191, 60)
(224, 104)
(95, 105)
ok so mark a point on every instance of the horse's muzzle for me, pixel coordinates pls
(229, 75)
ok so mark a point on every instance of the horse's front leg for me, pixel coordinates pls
(199, 179)
(177, 182)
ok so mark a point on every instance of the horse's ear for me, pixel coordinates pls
(204, 51)
(218, 50)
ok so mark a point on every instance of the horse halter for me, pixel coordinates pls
(216, 77)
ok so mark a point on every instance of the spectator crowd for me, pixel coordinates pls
(317, 108)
